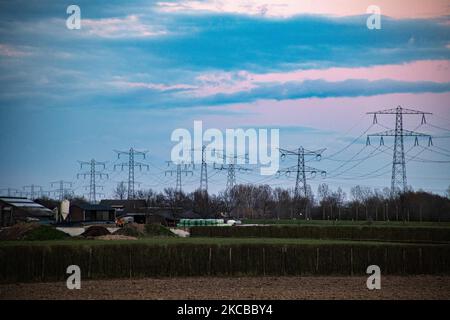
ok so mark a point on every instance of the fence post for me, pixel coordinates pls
(317, 260)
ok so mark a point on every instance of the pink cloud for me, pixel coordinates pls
(130, 26)
(402, 9)
(424, 70)
(228, 83)
(12, 51)
(335, 114)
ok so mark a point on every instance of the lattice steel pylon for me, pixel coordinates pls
(131, 165)
(204, 172)
(93, 174)
(62, 190)
(231, 166)
(180, 168)
(301, 169)
(35, 191)
(398, 178)
(9, 191)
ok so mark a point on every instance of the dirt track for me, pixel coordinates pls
(417, 287)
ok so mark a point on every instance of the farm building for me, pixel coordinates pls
(123, 207)
(90, 212)
(164, 216)
(15, 209)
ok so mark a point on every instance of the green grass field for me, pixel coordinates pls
(164, 241)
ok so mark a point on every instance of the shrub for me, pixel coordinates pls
(418, 234)
(24, 263)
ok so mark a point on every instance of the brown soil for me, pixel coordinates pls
(95, 231)
(392, 287)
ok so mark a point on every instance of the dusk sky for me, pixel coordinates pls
(137, 70)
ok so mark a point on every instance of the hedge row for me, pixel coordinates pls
(25, 263)
(419, 234)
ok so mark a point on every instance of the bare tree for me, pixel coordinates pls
(120, 191)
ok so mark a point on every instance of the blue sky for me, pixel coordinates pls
(137, 71)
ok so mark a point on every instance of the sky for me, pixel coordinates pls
(135, 72)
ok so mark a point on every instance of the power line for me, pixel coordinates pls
(350, 144)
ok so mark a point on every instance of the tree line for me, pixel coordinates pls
(247, 201)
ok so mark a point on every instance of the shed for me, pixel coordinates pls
(15, 209)
(81, 212)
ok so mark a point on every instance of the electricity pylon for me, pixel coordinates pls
(92, 173)
(131, 165)
(398, 179)
(62, 190)
(9, 191)
(204, 172)
(180, 169)
(231, 169)
(33, 191)
(300, 169)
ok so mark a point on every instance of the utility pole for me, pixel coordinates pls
(62, 190)
(300, 169)
(93, 174)
(9, 191)
(398, 178)
(180, 169)
(231, 168)
(131, 165)
(34, 192)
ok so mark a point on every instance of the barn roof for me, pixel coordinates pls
(27, 205)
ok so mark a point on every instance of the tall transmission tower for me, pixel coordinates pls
(180, 169)
(204, 168)
(204, 172)
(131, 165)
(93, 174)
(9, 191)
(62, 190)
(398, 179)
(300, 169)
(34, 191)
(231, 169)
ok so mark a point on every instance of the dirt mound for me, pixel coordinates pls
(45, 233)
(31, 231)
(131, 230)
(17, 231)
(115, 237)
(95, 231)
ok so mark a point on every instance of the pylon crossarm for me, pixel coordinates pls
(395, 110)
(393, 133)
